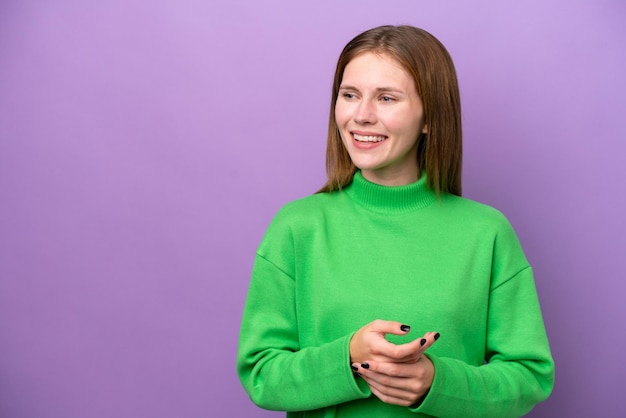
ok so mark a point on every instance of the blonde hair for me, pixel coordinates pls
(428, 62)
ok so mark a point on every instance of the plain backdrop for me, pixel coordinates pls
(145, 146)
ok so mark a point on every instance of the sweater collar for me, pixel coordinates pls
(390, 199)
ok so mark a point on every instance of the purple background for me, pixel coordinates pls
(145, 146)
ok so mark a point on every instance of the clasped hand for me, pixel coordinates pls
(397, 374)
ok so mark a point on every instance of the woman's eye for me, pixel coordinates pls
(386, 99)
(348, 96)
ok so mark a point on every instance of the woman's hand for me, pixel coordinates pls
(397, 374)
(369, 343)
(401, 384)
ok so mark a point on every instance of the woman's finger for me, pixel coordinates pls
(370, 342)
(391, 395)
(398, 381)
(411, 351)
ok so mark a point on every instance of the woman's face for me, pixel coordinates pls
(380, 117)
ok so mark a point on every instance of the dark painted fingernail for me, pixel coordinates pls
(405, 328)
(365, 365)
(423, 341)
(437, 336)
(353, 367)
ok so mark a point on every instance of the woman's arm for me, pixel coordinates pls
(519, 370)
(274, 369)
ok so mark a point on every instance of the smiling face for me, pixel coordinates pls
(380, 118)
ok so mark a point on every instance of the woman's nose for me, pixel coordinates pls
(365, 113)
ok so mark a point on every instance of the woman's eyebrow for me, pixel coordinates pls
(389, 89)
(378, 89)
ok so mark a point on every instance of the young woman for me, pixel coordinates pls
(387, 294)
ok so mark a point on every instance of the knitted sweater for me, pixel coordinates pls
(333, 262)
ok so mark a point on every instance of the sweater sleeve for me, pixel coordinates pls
(519, 370)
(275, 370)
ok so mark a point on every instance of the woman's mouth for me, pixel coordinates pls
(368, 138)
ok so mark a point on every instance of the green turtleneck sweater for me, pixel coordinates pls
(333, 262)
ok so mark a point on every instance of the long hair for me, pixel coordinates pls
(424, 57)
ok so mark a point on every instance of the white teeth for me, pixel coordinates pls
(368, 138)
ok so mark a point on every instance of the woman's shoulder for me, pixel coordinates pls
(303, 211)
(474, 212)
(308, 206)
